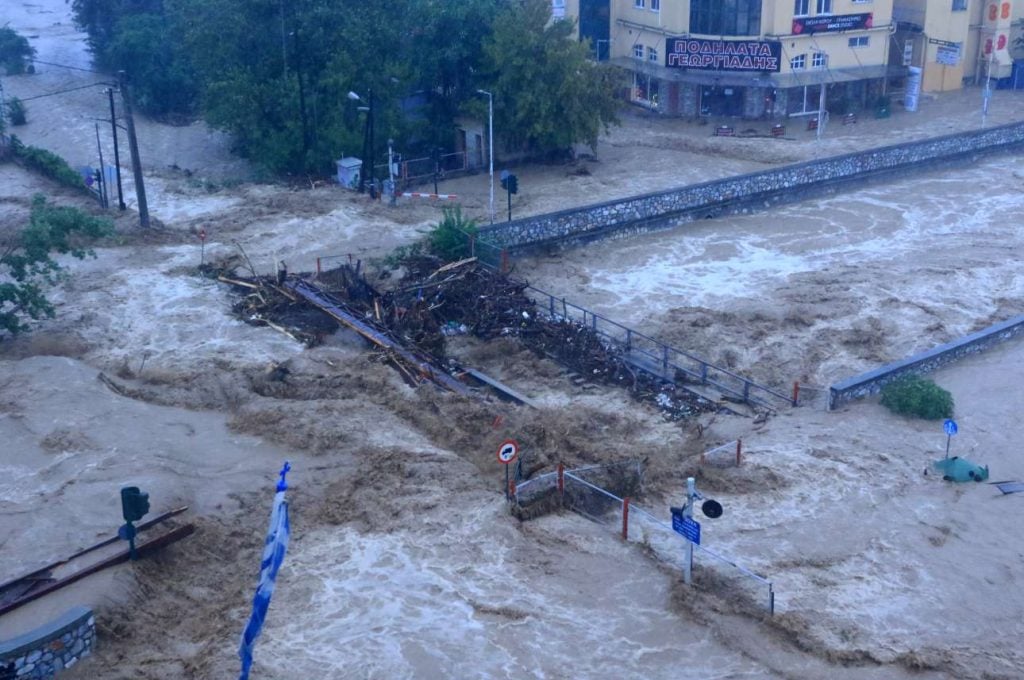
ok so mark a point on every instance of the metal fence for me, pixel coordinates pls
(581, 491)
(654, 356)
(419, 169)
(729, 454)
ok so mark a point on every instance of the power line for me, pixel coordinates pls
(74, 68)
(70, 89)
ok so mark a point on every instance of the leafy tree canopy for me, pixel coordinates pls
(548, 94)
(27, 267)
(15, 52)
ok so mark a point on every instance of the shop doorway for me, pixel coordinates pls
(721, 101)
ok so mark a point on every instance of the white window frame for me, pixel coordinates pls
(862, 2)
(638, 4)
(655, 5)
(823, 7)
(801, 8)
(819, 60)
(638, 51)
(652, 55)
(859, 42)
(798, 63)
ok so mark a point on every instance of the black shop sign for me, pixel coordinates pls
(723, 55)
(832, 23)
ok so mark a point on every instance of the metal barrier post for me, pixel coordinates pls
(625, 518)
(629, 340)
(511, 488)
(318, 267)
(746, 391)
(739, 451)
(703, 373)
(796, 393)
(664, 357)
(771, 600)
(561, 479)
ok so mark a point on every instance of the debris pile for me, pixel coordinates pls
(433, 300)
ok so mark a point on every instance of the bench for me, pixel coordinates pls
(778, 131)
(723, 131)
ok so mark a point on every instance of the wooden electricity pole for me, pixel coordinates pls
(133, 146)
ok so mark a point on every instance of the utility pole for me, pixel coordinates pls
(133, 146)
(104, 200)
(117, 155)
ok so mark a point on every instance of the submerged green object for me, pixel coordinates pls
(957, 469)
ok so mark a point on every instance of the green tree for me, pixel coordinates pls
(548, 94)
(27, 267)
(162, 80)
(15, 52)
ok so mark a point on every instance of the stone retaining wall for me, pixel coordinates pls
(744, 192)
(872, 382)
(49, 649)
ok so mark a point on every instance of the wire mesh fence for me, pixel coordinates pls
(729, 454)
(583, 491)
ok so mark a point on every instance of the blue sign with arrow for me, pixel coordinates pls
(950, 427)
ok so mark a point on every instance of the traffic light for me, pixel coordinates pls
(134, 503)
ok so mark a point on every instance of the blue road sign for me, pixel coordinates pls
(950, 427)
(687, 527)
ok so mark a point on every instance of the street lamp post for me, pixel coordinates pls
(490, 152)
(367, 141)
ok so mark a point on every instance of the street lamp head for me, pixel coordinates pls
(353, 96)
(484, 92)
(362, 108)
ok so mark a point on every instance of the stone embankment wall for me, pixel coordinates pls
(49, 649)
(872, 382)
(743, 193)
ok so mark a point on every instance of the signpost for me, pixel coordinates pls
(951, 429)
(202, 250)
(507, 453)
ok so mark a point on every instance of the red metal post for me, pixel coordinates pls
(561, 479)
(511, 487)
(796, 393)
(504, 261)
(625, 518)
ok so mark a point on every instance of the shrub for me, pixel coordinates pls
(16, 111)
(916, 396)
(450, 238)
(48, 164)
(15, 52)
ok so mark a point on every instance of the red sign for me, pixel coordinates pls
(508, 451)
(202, 234)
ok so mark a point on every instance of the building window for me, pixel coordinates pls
(959, 5)
(801, 8)
(655, 5)
(638, 51)
(639, 4)
(819, 60)
(652, 54)
(798, 63)
(725, 17)
(558, 9)
(824, 6)
(859, 41)
(908, 53)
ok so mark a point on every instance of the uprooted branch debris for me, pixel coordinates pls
(433, 300)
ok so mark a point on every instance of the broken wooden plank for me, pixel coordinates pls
(501, 388)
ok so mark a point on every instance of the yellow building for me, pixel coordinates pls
(745, 58)
(958, 41)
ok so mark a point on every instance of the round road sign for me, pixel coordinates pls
(508, 451)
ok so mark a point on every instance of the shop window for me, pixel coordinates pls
(959, 5)
(801, 8)
(824, 6)
(859, 41)
(819, 60)
(652, 54)
(638, 51)
(798, 63)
